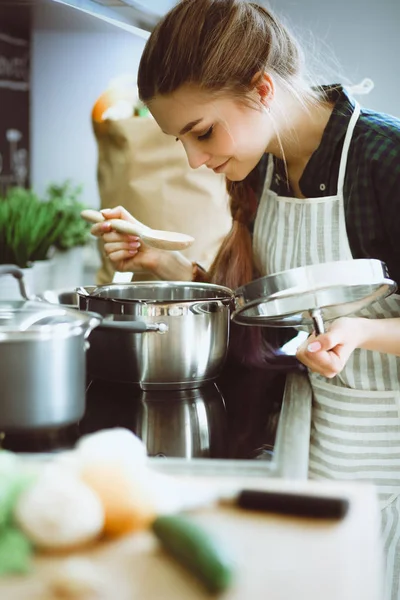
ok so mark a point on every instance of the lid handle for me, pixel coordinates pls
(19, 275)
(318, 321)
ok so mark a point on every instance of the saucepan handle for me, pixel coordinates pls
(209, 306)
(134, 326)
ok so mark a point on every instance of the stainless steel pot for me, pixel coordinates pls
(190, 347)
(42, 364)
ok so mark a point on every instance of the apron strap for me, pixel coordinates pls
(265, 177)
(270, 171)
(346, 146)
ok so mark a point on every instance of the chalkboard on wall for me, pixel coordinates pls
(14, 103)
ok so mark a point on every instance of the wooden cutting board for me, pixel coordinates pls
(277, 557)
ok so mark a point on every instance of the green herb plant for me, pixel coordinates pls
(67, 199)
(30, 226)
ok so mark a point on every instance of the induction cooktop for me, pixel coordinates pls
(234, 417)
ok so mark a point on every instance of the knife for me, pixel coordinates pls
(287, 503)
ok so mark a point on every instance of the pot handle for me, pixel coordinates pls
(209, 306)
(19, 275)
(134, 326)
(94, 321)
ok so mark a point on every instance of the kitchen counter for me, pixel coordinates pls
(277, 557)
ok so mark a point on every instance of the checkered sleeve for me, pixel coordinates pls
(385, 177)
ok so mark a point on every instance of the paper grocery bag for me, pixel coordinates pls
(147, 172)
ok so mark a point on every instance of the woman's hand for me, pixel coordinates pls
(328, 352)
(126, 252)
(130, 253)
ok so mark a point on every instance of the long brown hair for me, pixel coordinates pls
(220, 45)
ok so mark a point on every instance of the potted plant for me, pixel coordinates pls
(68, 256)
(28, 229)
(33, 230)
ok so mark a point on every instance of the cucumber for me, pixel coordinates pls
(196, 549)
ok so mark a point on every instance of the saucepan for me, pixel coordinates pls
(188, 353)
(42, 363)
(307, 297)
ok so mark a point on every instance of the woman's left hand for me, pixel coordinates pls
(328, 352)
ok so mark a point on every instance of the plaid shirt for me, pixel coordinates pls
(372, 182)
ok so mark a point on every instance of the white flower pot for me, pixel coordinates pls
(42, 276)
(67, 268)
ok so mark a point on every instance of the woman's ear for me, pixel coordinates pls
(263, 86)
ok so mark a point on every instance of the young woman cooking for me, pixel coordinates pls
(227, 80)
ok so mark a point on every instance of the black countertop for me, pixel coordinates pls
(235, 417)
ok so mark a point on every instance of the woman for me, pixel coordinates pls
(226, 79)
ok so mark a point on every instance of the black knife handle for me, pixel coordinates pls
(299, 505)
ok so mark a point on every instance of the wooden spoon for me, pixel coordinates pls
(165, 240)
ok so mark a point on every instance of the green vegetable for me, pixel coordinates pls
(15, 551)
(11, 487)
(8, 497)
(195, 549)
(13, 481)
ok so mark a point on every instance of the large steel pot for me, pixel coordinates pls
(187, 351)
(42, 364)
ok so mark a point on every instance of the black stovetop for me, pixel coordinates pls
(235, 417)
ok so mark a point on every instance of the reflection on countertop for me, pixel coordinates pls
(238, 424)
(234, 418)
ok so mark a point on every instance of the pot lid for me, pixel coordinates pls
(308, 296)
(18, 316)
(156, 291)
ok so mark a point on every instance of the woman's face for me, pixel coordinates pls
(219, 132)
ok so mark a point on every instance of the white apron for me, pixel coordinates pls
(355, 429)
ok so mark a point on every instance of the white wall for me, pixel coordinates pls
(74, 56)
(351, 40)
